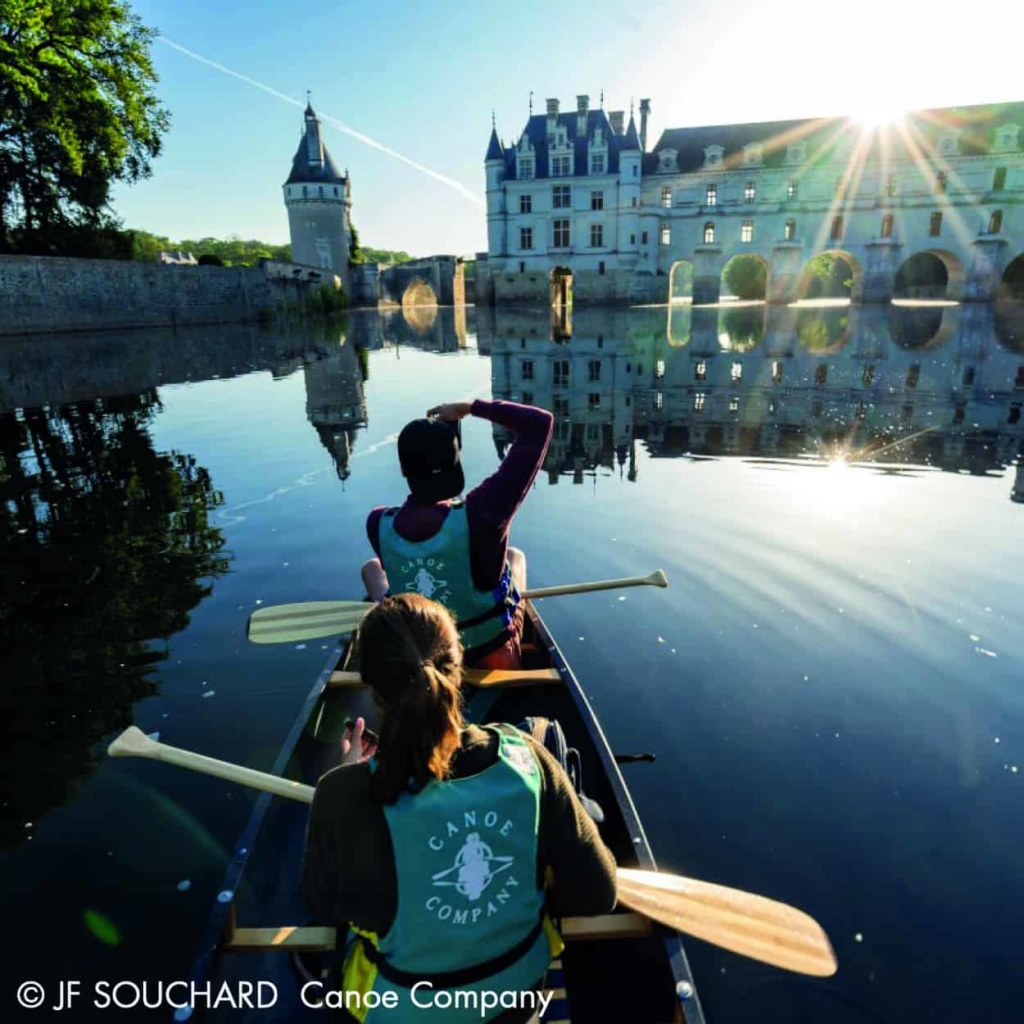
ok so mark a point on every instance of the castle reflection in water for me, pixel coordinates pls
(936, 385)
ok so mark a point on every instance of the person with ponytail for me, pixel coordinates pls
(448, 851)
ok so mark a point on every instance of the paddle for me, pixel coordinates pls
(309, 620)
(754, 926)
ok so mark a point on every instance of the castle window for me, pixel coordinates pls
(1014, 414)
(734, 404)
(561, 166)
(749, 192)
(890, 187)
(887, 226)
(747, 231)
(820, 373)
(698, 401)
(700, 371)
(594, 370)
(600, 267)
(666, 196)
(935, 224)
(561, 409)
(913, 375)
(525, 168)
(526, 398)
(777, 368)
(712, 195)
(527, 369)
(526, 238)
(335, 191)
(597, 200)
(305, 192)
(632, 201)
(526, 203)
(594, 400)
(995, 222)
(320, 191)
(560, 229)
(636, 170)
(560, 374)
(837, 227)
(709, 233)
(522, 267)
(789, 232)
(666, 235)
(940, 182)
(632, 239)
(596, 236)
(659, 399)
(999, 179)
(643, 237)
(597, 165)
(868, 375)
(737, 372)
(959, 411)
(791, 190)
(968, 377)
(561, 197)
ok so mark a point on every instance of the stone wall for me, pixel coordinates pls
(43, 294)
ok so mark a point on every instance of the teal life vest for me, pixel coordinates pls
(470, 915)
(439, 568)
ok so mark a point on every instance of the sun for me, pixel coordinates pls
(878, 117)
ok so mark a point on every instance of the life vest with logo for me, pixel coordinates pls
(439, 568)
(470, 916)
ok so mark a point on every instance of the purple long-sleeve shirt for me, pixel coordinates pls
(491, 505)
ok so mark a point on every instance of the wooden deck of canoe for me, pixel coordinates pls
(618, 967)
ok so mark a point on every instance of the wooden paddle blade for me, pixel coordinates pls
(658, 578)
(308, 620)
(133, 742)
(754, 926)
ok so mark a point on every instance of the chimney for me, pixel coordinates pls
(582, 107)
(552, 114)
(617, 119)
(645, 109)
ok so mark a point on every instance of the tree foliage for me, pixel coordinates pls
(746, 277)
(105, 547)
(78, 112)
(830, 277)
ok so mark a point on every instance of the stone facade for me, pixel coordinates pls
(945, 184)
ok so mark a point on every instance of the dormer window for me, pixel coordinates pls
(667, 160)
(561, 166)
(1006, 138)
(525, 168)
(598, 163)
(713, 156)
(752, 154)
(796, 153)
(949, 144)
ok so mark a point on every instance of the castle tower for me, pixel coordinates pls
(318, 199)
(494, 164)
(630, 172)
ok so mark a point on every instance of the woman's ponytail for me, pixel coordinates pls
(411, 657)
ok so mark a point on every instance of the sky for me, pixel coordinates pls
(421, 80)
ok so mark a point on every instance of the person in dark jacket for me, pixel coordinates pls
(457, 551)
(449, 849)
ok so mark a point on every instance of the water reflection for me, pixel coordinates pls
(105, 547)
(932, 386)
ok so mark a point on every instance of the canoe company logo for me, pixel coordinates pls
(418, 575)
(474, 869)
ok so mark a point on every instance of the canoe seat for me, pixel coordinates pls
(318, 939)
(483, 678)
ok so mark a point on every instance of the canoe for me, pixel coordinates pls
(259, 928)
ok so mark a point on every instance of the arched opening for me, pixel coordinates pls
(680, 282)
(745, 277)
(823, 331)
(833, 275)
(561, 287)
(419, 305)
(919, 329)
(709, 233)
(929, 276)
(1012, 284)
(741, 328)
(887, 226)
(680, 325)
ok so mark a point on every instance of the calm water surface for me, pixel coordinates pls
(832, 684)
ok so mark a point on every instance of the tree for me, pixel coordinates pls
(830, 277)
(746, 277)
(355, 252)
(77, 113)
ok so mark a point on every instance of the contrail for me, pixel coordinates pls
(333, 121)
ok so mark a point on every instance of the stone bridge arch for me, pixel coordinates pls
(806, 275)
(916, 278)
(443, 275)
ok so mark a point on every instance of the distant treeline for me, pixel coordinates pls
(235, 252)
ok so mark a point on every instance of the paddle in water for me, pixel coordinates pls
(310, 620)
(742, 922)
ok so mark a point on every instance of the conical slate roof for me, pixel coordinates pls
(632, 140)
(494, 150)
(312, 163)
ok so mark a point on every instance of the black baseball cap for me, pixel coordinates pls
(429, 452)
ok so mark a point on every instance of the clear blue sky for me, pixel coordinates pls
(422, 78)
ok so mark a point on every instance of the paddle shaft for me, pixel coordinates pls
(742, 922)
